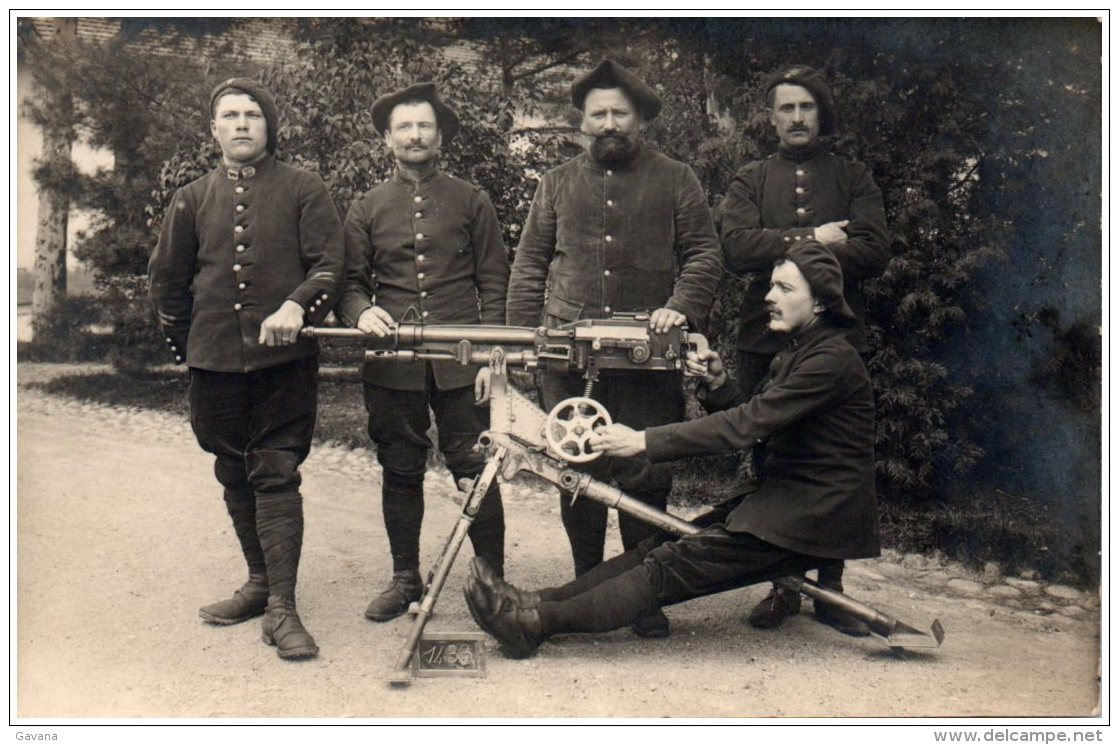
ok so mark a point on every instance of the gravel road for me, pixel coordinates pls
(122, 535)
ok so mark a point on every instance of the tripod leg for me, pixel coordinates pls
(402, 672)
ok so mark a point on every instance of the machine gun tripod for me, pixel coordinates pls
(522, 438)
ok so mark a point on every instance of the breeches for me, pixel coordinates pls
(715, 560)
(399, 420)
(258, 424)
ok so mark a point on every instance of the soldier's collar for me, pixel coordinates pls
(801, 154)
(821, 328)
(239, 172)
(401, 176)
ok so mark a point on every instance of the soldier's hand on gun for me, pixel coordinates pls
(376, 321)
(707, 365)
(617, 440)
(662, 319)
(831, 232)
(482, 386)
(282, 327)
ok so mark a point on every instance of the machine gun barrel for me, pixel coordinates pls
(407, 335)
(586, 346)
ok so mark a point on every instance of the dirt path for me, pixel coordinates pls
(122, 535)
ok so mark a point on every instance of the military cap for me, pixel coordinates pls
(816, 84)
(824, 275)
(609, 74)
(260, 94)
(445, 116)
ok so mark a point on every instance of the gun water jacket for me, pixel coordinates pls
(234, 245)
(815, 416)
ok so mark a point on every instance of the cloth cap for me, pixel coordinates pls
(260, 94)
(825, 276)
(445, 116)
(609, 74)
(816, 84)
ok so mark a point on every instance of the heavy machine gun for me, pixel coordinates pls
(524, 438)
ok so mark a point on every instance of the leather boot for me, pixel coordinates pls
(283, 630)
(774, 608)
(516, 629)
(482, 570)
(653, 626)
(406, 587)
(249, 601)
(279, 521)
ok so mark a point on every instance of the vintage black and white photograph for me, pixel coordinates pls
(573, 368)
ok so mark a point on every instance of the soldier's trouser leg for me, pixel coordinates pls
(636, 400)
(709, 562)
(282, 422)
(460, 421)
(398, 424)
(259, 426)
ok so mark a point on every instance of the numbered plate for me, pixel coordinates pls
(450, 654)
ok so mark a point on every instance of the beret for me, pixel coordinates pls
(609, 74)
(824, 275)
(260, 94)
(444, 114)
(816, 84)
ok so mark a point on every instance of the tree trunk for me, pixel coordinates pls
(54, 204)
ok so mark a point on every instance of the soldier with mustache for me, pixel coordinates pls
(803, 191)
(605, 234)
(426, 245)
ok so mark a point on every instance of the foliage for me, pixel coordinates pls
(66, 334)
(973, 151)
(139, 106)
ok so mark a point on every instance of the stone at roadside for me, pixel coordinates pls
(915, 561)
(937, 578)
(891, 570)
(1004, 591)
(1025, 585)
(1063, 592)
(1071, 611)
(965, 586)
(992, 571)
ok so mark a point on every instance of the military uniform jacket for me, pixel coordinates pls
(234, 245)
(431, 249)
(775, 202)
(815, 416)
(616, 239)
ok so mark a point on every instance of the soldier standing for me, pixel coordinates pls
(606, 233)
(427, 243)
(247, 255)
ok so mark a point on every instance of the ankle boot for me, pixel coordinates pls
(774, 608)
(283, 629)
(249, 601)
(406, 588)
